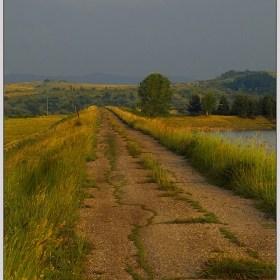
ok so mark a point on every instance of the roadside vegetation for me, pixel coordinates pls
(43, 179)
(228, 267)
(249, 170)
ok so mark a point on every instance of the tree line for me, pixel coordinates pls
(155, 97)
(243, 105)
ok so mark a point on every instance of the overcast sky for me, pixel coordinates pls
(197, 38)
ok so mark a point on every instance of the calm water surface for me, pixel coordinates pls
(267, 137)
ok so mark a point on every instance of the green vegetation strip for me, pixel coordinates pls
(249, 170)
(43, 194)
(134, 148)
(134, 236)
(159, 175)
(231, 237)
(208, 218)
(224, 267)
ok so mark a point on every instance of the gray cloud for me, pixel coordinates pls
(197, 38)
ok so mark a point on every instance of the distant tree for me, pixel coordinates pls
(194, 106)
(253, 110)
(32, 107)
(268, 106)
(240, 105)
(155, 95)
(209, 103)
(132, 96)
(223, 107)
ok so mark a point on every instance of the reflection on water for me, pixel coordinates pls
(266, 137)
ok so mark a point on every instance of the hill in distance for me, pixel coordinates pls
(95, 78)
(30, 98)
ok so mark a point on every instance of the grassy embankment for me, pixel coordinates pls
(247, 169)
(43, 182)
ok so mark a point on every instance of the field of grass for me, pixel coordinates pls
(249, 170)
(44, 178)
(18, 128)
(219, 122)
(29, 88)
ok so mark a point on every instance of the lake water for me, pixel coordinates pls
(267, 137)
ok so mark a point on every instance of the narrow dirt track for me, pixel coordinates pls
(129, 220)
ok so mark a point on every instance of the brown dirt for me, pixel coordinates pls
(125, 199)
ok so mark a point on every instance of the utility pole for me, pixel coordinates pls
(47, 106)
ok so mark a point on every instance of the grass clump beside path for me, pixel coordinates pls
(159, 175)
(249, 170)
(224, 267)
(134, 148)
(43, 192)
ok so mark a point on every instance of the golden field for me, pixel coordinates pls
(215, 122)
(17, 128)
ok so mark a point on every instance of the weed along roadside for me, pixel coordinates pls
(95, 199)
(152, 216)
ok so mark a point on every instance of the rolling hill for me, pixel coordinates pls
(62, 93)
(95, 78)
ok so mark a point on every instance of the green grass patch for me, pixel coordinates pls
(269, 225)
(89, 183)
(224, 267)
(208, 218)
(134, 148)
(195, 204)
(253, 253)
(110, 152)
(159, 175)
(134, 236)
(134, 275)
(228, 234)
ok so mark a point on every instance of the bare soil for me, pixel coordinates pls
(125, 199)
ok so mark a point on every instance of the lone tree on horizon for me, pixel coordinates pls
(194, 105)
(209, 103)
(155, 95)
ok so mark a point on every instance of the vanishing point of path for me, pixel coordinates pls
(132, 223)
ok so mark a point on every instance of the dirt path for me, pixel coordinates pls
(131, 222)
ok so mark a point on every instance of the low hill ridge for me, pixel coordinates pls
(94, 78)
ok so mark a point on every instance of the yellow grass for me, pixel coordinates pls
(219, 122)
(21, 86)
(30, 86)
(16, 129)
(21, 93)
(103, 86)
